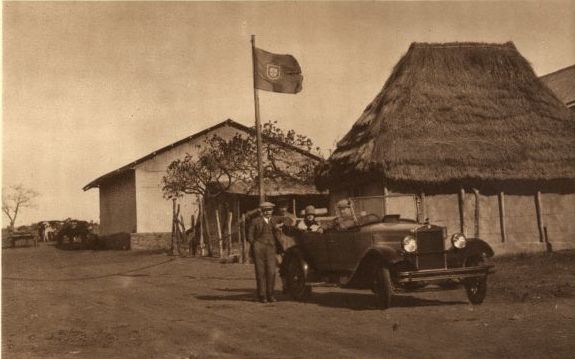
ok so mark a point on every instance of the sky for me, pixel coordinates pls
(91, 86)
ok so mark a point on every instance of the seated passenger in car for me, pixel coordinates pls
(309, 224)
(345, 217)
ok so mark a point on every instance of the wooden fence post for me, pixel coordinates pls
(192, 239)
(201, 224)
(243, 237)
(219, 233)
(172, 246)
(208, 234)
(230, 217)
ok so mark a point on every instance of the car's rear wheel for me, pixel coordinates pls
(295, 281)
(383, 287)
(476, 288)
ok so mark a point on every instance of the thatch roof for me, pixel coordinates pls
(562, 83)
(458, 113)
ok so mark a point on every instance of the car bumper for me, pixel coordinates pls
(442, 274)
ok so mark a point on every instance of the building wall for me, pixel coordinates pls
(118, 205)
(520, 216)
(154, 211)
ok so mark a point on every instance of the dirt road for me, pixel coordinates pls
(113, 304)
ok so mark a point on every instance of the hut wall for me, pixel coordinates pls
(558, 215)
(118, 205)
(522, 232)
(489, 225)
(443, 210)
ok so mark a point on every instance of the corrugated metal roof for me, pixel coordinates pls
(562, 83)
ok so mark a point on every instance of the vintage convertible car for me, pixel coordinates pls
(388, 255)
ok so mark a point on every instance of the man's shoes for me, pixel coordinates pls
(271, 299)
(263, 300)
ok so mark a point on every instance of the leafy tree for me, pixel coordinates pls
(14, 199)
(222, 162)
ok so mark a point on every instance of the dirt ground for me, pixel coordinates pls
(123, 304)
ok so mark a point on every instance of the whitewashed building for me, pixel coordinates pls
(131, 197)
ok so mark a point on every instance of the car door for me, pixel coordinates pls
(345, 249)
(315, 248)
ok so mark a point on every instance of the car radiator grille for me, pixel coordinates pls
(430, 249)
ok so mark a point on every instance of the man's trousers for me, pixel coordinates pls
(265, 264)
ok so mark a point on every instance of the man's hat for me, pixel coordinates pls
(310, 210)
(267, 205)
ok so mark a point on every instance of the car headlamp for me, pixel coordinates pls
(458, 240)
(409, 244)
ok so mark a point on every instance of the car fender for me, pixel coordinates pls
(290, 254)
(375, 256)
(476, 247)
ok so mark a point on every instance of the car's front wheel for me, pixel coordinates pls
(295, 281)
(476, 288)
(383, 287)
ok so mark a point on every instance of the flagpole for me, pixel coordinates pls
(258, 125)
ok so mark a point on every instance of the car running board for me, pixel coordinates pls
(321, 284)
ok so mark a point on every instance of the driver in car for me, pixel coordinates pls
(345, 218)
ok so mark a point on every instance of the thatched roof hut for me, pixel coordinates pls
(459, 113)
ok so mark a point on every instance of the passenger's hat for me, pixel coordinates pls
(267, 205)
(310, 210)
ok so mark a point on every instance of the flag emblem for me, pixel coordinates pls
(273, 72)
(276, 73)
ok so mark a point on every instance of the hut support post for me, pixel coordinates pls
(293, 207)
(422, 204)
(539, 219)
(462, 210)
(477, 229)
(385, 194)
(502, 216)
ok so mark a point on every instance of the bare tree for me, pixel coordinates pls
(14, 198)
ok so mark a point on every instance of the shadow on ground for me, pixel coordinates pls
(354, 301)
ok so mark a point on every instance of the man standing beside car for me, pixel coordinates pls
(264, 239)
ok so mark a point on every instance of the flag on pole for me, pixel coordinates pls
(276, 73)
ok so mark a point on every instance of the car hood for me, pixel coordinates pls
(391, 227)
